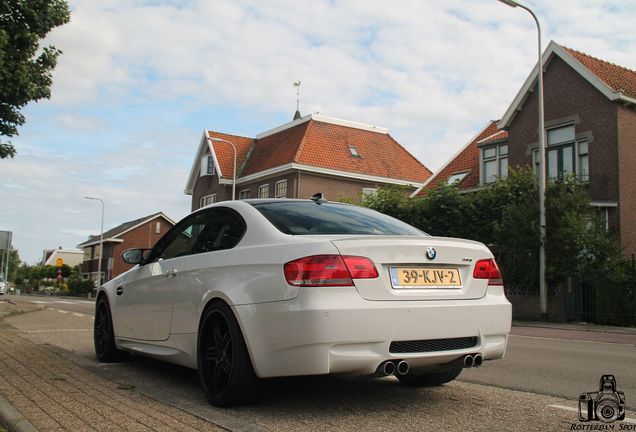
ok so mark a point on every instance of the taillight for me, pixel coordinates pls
(328, 270)
(360, 267)
(487, 269)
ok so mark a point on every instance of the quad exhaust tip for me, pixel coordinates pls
(389, 368)
(397, 367)
(402, 367)
(473, 360)
(478, 360)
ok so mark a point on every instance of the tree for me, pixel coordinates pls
(14, 263)
(25, 69)
(505, 216)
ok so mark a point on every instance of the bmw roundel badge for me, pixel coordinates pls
(431, 253)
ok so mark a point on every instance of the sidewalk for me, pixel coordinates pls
(43, 390)
(576, 326)
(51, 393)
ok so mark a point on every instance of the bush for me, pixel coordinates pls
(78, 286)
(505, 216)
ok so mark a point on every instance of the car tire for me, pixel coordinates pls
(430, 379)
(225, 369)
(104, 336)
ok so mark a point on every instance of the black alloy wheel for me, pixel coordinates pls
(218, 354)
(225, 368)
(103, 335)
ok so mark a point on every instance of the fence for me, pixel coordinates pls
(610, 303)
(609, 299)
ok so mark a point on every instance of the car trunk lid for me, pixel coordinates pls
(406, 272)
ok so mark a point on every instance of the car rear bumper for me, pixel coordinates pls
(334, 330)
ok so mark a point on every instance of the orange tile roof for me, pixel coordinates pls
(326, 145)
(466, 160)
(497, 136)
(276, 149)
(225, 154)
(618, 78)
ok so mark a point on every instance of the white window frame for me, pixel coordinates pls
(263, 191)
(500, 158)
(244, 194)
(278, 187)
(457, 178)
(207, 200)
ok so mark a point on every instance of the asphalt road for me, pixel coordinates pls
(535, 388)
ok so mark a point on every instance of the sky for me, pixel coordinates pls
(139, 81)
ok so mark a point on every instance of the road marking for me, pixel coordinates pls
(61, 311)
(78, 314)
(567, 408)
(572, 340)
(70, 302)
(56, 330)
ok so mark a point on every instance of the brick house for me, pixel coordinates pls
(314, 153)
(590, 121)
(139, 233)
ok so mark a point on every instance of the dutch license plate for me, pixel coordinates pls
(419, 277)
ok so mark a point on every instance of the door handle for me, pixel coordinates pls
(171, 273)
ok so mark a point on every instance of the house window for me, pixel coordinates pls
(207, 200)
(494, 163)
(263, 191)
(354, 152)
(158, 228)
(207, 165)
(369, 191)
(244, 194)
(458, 177)
(583, 168)
(604, 210)
(564, 155)
(280, 189)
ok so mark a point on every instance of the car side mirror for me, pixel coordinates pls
(134, 256)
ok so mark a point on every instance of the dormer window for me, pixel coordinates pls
(457, 178)
(354, 152)
(207, 165)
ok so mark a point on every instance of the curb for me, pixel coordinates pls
(12, 420)
(577, 327)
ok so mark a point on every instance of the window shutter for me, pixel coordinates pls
(204, 166)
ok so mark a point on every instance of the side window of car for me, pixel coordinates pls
(180, 240)
(224, 230)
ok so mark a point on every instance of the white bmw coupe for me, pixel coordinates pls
(246, 290)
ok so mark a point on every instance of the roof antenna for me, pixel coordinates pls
(297, 113)
(318, 198)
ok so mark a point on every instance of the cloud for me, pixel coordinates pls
(80, 122)
(138, 81)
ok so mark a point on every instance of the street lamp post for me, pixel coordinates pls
(543, 297)
(101, 240)
(234, 172)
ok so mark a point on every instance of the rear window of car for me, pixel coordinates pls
(308, 218)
